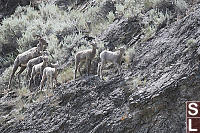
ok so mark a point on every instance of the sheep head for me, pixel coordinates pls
(94, 44)
(45, 59)
(42, 42)
(122, 50)
(38, 36)
(55, 65)
(44, 53)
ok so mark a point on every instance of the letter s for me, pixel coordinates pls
(193, 108)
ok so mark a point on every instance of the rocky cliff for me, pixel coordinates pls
(8, 7)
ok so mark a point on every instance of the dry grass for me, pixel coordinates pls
(66, 75)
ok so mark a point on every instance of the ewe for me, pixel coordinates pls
(109, 56)
(49, 73)
(23, 58)
(33, 62)
(85, 56)
(38, 69)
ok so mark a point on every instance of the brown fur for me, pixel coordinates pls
(49, 73)
(33, 62)
(23, 58)
(84, 56)
(38, 69)
(108, 56)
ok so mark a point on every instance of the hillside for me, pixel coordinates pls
(160, 71)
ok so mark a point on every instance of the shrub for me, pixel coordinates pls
(134, 83)
(49, 21)
(23, 91)
(18, 30)
(6, 75)
(120, 8)
(129, 55)
(191, 43)
(111, 17)
(66, 75)
(181, 5)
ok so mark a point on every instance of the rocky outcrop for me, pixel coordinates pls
(125, 31)
(7, 7)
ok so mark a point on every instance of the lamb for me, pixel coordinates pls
(109, 56)
(33, 62)
(23, 58)
(38, 69)
(49, 73)
(85, 56)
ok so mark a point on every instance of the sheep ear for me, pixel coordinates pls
(57, 63)
(94, 42)
(38, 51)
(42, 52)
(38, 36)
(43, 56)
(45, 53)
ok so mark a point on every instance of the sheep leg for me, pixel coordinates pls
(18, 74)
(16, 65)
(30, 81)
(34, 79)
(89, 65)
(42, 82)
(98, 69)
(119, 68)
(32, 74)
(76, 67)
(28, 73)
(51, 81)
(48, 81)
(101, 68)
(79, 68)
(56, 81)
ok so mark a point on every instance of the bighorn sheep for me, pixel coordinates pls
(49, 73)
(22, 59)
(33, 62)
(109, 56)
(85, 56)
(38, 69)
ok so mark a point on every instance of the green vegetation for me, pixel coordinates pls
(129, 55)
(66, 75)
(191, 43)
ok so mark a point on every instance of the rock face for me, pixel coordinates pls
(7, 7)
(165, 73)
(122, 31)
